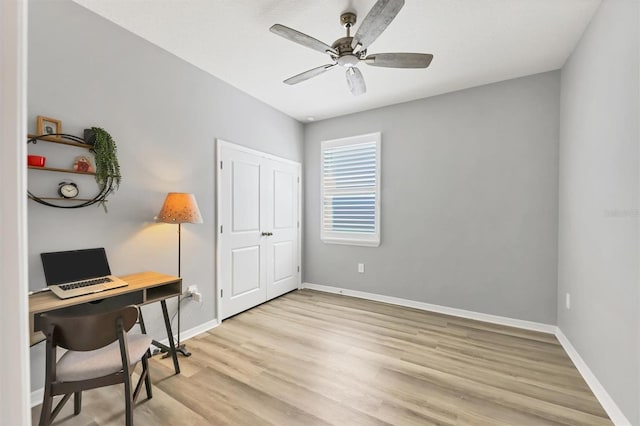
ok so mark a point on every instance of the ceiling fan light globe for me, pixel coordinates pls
(348, 61)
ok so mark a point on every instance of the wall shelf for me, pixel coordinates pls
(65, 199)
(62, 141)
(58, 201)
(53, 169)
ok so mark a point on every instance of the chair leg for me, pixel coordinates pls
(77, 402)
(47, 404)
(147, 379)
(128, 399)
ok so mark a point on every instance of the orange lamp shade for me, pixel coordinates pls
(180, 207)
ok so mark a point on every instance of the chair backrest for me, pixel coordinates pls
(89, 332)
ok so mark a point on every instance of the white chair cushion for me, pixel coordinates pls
(77, 365)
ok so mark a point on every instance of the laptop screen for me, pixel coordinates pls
(75, 265)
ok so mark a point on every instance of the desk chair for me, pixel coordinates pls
(100, 353)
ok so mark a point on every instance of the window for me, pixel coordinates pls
(351, 190)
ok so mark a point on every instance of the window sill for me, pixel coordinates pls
(351, 242)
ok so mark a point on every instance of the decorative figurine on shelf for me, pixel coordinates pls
(83, 164)
(68, 190)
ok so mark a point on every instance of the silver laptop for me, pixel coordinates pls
(78, 272)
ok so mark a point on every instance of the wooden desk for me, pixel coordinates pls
(143, 288)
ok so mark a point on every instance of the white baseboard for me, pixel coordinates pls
(199, 329)
(612, 409)
(193, 332)
(38, 394)
(494, 319)
(36, 397)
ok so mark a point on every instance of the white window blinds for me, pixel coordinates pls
(351, 190)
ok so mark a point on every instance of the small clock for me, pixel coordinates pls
(68, 190)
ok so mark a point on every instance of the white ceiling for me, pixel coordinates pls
(474, 42)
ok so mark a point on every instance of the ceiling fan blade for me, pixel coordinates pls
(378, 19)
(303, 39)
(356, 81)
(308, 74)
(399, 60)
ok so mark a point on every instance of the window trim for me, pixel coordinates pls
(346, 238)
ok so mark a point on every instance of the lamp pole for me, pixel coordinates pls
(179, 208)
(180, 347)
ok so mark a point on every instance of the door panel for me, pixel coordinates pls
(245, 266)
(242, 251)
(284, 193)
(246, 196)
(258, 239)
(283, 261)
(282, 255)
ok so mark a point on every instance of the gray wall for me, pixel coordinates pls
(165, 115)
(598, 231)
(469, 201)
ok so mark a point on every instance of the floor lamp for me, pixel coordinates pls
(180, 208)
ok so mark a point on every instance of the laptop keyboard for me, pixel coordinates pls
(86, 283)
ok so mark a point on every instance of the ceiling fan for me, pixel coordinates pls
(348, 51)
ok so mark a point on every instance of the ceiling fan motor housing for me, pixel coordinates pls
(345, 58)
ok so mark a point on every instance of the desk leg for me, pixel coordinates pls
(170, 350)
(167, 323)
(141, 321)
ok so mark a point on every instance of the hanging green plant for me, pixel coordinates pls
(107, 172)
(107, 166)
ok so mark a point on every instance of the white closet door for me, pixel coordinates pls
(242, 260)
(282, 218)
(258, 228)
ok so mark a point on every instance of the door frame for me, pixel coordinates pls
(221, 143)
(15, 368)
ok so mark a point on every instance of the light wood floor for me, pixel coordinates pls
(310, 358)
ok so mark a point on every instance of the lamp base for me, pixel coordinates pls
(180, 349)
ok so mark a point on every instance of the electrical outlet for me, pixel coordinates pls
(567, 301)
(361, 268)
(192, 291)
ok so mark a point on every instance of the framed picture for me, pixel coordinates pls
(48, 126)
